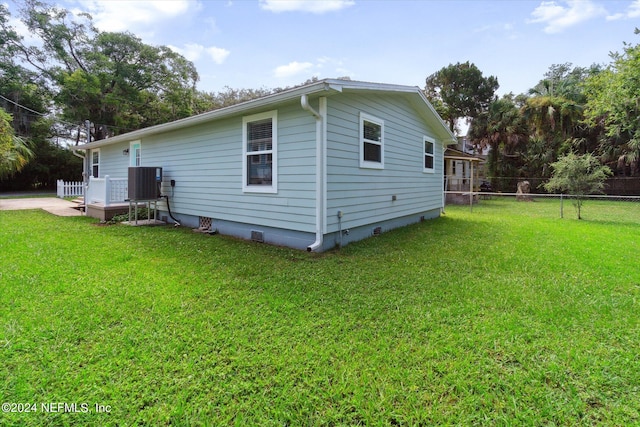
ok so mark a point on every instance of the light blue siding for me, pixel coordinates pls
(113, 162)
(365, 196)
(206, 163)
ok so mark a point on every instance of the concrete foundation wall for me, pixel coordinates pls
(296, 239)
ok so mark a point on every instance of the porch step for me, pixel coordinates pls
(79, 201)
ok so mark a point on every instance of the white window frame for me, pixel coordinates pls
(256, 188)
(132, 153)
(95, 164)
(432, 141)
(368, 163)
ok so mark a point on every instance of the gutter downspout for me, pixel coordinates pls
(444, 178)
(84, 166)
(320, 169)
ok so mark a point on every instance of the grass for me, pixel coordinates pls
(504, 316)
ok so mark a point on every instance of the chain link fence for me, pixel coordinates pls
(615, 186)
(551, 205)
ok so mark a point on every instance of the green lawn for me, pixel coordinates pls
(507, 315)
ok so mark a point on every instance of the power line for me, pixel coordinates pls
(21, 106)
(63, 121)
(36, 112)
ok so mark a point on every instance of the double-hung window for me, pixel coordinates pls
(259, 138)
(371, 142)
(429, 154)
(95, 163)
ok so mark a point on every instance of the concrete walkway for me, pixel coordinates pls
(52, 205)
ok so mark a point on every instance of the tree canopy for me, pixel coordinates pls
(613, 103)
(592, 110)
(114, 80)
(460, 90)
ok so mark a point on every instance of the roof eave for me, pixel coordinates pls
(327, 86)
(321, 86)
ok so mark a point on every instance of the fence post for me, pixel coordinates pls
(107, 190)
(561, 205)
(60, 188)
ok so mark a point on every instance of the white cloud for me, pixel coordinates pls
(313, 6)
(633, 11)
(322, 67)
(292, 69)
(194, 51)
(119, 16)
(507, 30)
(559, 17)
(218, 54)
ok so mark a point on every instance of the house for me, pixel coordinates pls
(461, 174)
(312, 167)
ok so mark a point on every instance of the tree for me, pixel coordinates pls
(460, 90)
(26, 97)
(577, 176)
(502, 129)
(112, 79)
(613, 103)
(554, 113)
(14, 152)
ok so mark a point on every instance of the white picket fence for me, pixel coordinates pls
(70, 189)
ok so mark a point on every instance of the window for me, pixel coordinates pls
(135, 152)
(95, 163)
(371, 142)
(259, 138)
(429, 157)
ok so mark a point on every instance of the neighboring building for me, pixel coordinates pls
(312, 167)
(463, 172)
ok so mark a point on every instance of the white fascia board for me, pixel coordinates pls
(467, 159)
(381, 87)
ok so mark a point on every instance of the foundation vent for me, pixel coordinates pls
(257, 236)
(205, 223)
(377, 231)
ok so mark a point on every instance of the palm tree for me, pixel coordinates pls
(554, 113)
(14, 151)
(502, 130)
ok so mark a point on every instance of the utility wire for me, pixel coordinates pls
(21, 106)
(65, 122)
(43, 115)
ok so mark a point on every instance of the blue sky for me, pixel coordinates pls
(273, 43)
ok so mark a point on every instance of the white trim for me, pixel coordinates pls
(92, 164)
(426, 139)
(323, 139)
(361, 141)
(321, 172)
(273, 188)
(132, 152)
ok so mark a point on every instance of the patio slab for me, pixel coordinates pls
(52, 205)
